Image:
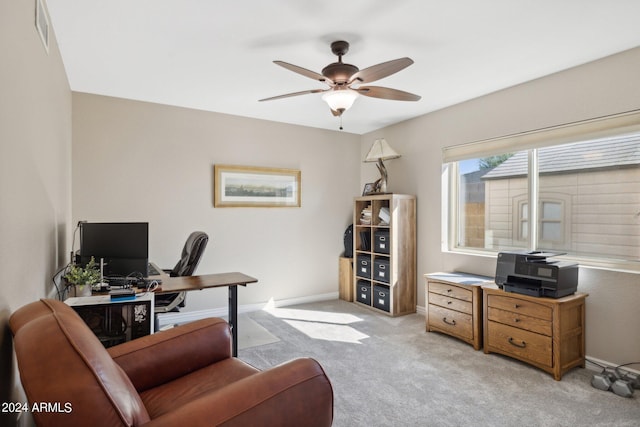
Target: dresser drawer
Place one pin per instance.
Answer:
(451, 303)
(517, 320)
(451, 321)
(451, 291)
(545, 332)
(518, 305)
(519, 343)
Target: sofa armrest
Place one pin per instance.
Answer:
(296, 393)
(164, 356)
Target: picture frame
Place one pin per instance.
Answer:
(369, 188)
(42, 24)
(251, 186)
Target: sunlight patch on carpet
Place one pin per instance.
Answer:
(328, 331)
(321, 325)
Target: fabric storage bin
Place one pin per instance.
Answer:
(381, 270)
(381, 241)
(363, 292)
(363, 266)
(380, 297)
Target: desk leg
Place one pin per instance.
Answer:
(233, 318)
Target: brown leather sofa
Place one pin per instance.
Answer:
(181, 377)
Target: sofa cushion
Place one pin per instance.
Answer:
(175, 394)
(178, 351)
(78, 374)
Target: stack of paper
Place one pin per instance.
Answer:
(365, 216)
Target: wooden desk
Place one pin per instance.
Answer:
(206, 281)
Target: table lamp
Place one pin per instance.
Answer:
(380, 150)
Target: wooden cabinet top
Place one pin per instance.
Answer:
(494, 289)
(460, 278)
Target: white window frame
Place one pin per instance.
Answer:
(609, 126)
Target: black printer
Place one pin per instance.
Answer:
(530, 273)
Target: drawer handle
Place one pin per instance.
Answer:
(452, 323)
(512, 342)
(449, 302)
(449, 290)
(516, 306)
(516, 320)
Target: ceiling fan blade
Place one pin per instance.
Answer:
(307, 73)
(304, 92)
(387, 93)
(379, 71)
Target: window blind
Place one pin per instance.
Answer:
(571, 132)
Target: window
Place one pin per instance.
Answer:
(523, 221)
(485, 212)
(580, 197)
(551, 221)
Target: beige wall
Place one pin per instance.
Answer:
(147, 162)
(600, 88)
(137, 161)
(35, 170)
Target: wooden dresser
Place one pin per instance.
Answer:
(454, 305)
(544, 332)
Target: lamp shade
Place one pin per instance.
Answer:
(381, 150)
(340, 99)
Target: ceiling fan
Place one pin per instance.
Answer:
(344, 80)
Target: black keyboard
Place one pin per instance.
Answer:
(128, 282)
(122, 282)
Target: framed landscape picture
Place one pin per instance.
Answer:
(250, 186)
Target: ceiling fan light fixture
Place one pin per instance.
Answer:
(340, 99)
(340, 76)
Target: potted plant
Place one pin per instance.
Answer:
(83, 278)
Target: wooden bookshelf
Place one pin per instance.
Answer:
(384, 270)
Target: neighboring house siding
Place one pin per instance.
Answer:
(601, 211)
(606, 208)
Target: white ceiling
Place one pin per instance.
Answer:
(217, 55)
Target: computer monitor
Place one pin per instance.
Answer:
(123, 247)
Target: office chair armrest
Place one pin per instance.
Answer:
(296, 393)
(164, 356)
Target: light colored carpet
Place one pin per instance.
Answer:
(252, 334)
(390, 372)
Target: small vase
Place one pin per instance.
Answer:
(81, 291)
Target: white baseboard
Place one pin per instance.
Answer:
(594, 364)
(190, 316)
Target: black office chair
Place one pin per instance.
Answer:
(191, 254)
